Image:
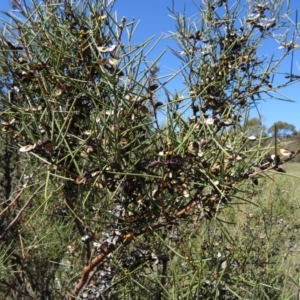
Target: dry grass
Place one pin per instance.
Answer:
(261, 239)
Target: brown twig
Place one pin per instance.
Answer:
(88, 269)
(12, 202)
(126, 239)
(20, 212)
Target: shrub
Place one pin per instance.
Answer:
(109, 200)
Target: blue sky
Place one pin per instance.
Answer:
(154, 20)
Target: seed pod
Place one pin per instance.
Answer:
(158, 104)
(254, 180)
(106, 49)
(153, 87)
(27, 148)
(48, 145)
(251, 138)
(287, 152)
(80, 180)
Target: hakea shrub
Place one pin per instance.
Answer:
(81, 106)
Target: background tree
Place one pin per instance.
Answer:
(255, 127)
(284, 129)
(109, 199)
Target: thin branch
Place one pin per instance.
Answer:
(21, 210)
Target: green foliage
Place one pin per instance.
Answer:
(109, 202)
(284, 129)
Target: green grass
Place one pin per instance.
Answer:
(293, 168)
(284, 193)
(259, 241)
(274, 227)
